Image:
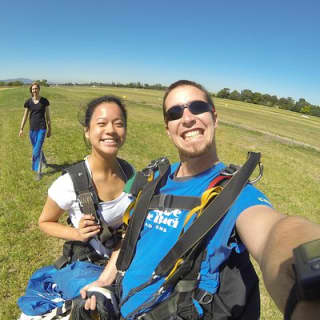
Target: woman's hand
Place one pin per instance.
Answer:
(88, 227)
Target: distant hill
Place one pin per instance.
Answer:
(24, 80)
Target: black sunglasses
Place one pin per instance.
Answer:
(195, 107)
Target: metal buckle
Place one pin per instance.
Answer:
(260, 174)
(153, 165)
(206, 298)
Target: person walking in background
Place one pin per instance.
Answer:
(37, 109)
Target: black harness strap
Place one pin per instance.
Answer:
(83, 187)
(168, 201)
(88, 198)
(138, 217)
(210, 217)
(189, 246)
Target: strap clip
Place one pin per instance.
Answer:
(203, 297)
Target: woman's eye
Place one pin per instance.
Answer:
(119, 124)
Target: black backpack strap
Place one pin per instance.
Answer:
(83, 187)
(129, 174)
(138, 217)
(78, 251)
(88, 198)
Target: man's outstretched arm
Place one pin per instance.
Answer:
(270, 238)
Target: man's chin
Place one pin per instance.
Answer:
(194, 153)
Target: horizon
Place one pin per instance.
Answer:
(269, 48)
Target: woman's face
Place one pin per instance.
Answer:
(106, 132)
(35, 90)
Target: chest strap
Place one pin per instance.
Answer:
(167, 201)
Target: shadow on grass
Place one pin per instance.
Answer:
(54, 168)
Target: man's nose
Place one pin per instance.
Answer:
(187, 115)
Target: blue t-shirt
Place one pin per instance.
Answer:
(162, 229)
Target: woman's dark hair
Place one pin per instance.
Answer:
(92, 105)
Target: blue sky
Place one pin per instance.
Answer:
(266, 46)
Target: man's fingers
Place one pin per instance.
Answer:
(90, 303)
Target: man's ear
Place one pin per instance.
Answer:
(167, 130)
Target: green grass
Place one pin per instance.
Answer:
(291, 177)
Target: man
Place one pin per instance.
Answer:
(37, 109)
(269, 236)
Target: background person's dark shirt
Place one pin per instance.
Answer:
(37, 113)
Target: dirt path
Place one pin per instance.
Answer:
(275, 136)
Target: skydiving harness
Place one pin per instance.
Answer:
(181, 265)
(88, 200)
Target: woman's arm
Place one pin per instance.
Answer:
(48, 223)
(24, 119)
(48, 121)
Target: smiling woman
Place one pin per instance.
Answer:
(104, 123)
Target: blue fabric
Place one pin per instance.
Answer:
(37, 139)
(48, 287)
(162, 228)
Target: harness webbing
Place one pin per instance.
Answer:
(213, 213)
(141, 210)
(181, 258)
(88, 197)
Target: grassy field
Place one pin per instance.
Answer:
(289, 144)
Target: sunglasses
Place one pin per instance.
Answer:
(195, 107)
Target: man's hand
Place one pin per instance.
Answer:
(91, 302)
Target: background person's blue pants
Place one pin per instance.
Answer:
(37, 139)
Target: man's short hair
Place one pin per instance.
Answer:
(181, 83)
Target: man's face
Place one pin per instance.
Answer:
(192, 134)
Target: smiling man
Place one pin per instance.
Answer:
(221, 282)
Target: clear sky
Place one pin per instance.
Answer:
(266, 46)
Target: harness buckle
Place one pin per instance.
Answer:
(165, 201)
(205, 297)
(260, 174)
(153, 165)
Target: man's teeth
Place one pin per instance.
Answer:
(192, 134)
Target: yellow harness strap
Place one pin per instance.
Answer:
(205, 199)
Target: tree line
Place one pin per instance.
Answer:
(18, 83)
(246, 95)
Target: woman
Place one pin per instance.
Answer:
(105, 126)
(40, 126)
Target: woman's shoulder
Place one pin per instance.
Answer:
(62, 184)
(27, 102)
(44, 101)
